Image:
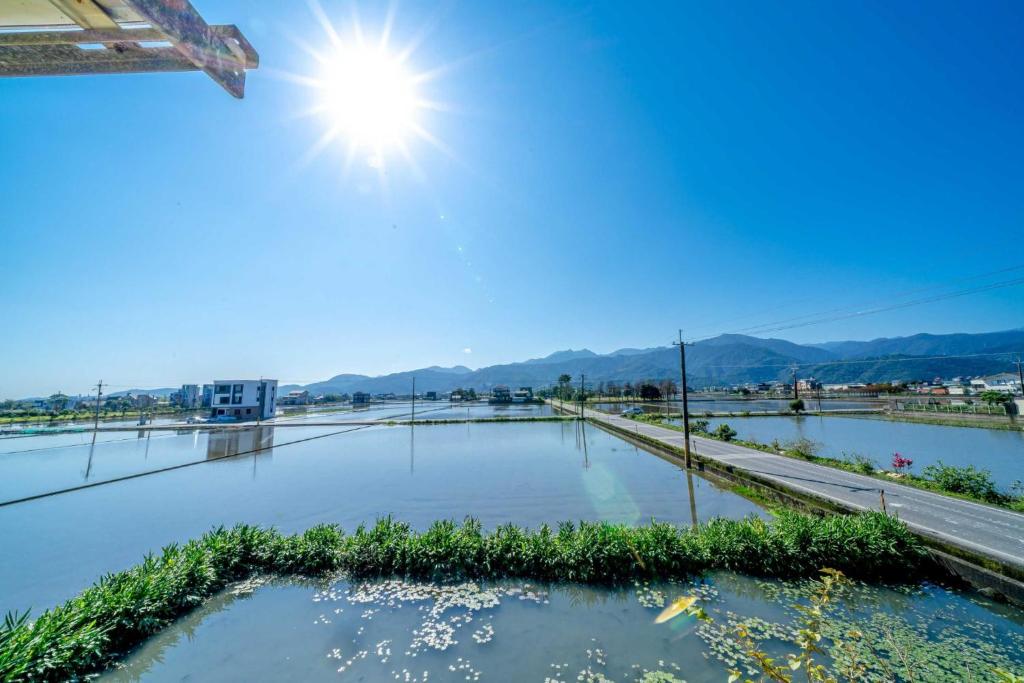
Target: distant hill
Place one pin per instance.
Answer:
(727, 359)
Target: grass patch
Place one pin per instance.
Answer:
(91, 631)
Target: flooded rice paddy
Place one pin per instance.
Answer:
(999, 451)
(526, 473)
(281, 629)
(699, 406)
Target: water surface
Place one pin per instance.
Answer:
(511, 630)
(999, 451)
(526, 473)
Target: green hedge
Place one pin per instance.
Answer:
(89, 632)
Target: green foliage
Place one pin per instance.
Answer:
(699, 425)
(993, 398)
(724, 432)
(85, 634)
(796, 405)
(802, 448)
(968, 481)
(861, 463)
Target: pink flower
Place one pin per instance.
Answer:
(899, 463)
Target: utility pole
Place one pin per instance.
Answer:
(1020, 376)
(99, 393)
(583, 396)
(796, 394)
(686, 406)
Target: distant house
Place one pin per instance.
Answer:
(360, 398)
(500, 394)
(809, 384)
(430, 396)
(295, 398)
(522, 395)
(244, 399)
(456, 397)
(144, 401)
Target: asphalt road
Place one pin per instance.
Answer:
(982, 529)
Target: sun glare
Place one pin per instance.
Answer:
(369, 97)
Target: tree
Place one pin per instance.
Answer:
(992, 397)
(563, 384)
(796, 406)
(649, 391)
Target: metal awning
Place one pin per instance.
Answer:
(65, 37)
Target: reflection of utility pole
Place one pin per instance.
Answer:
(686, 407)
(583, 436)
(95, 427)
(693, 500)
(413, 399)
(412, 450)
(582, 394)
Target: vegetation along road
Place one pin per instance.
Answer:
(981, 530)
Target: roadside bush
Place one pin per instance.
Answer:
(724, 432)
(803, 448)
(861, 463)
(797, 405)
(699, 425)
(969, 481)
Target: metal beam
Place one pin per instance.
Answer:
(224, 60)
(56, 53)
(85, 13)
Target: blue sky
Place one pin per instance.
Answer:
(608, 175)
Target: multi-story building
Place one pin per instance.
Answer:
(244, 399)
(207, 399)
(188, 396)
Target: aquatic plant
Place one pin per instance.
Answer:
(90, 631)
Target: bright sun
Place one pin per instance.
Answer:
(369, 97)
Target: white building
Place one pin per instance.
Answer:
(244, 399)
(1007, 382)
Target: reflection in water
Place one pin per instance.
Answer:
(693, 499)
(240, 442)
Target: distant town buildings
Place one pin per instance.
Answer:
(207, 399)
(244, 399)
(188, 397)
(295, 398)
(360, 398)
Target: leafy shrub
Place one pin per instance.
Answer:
(969, 481)
(724, 432)
(803, 448)
(861, 463)
(796, 405)
(699, 425)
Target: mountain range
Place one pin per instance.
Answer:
(726, 359)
